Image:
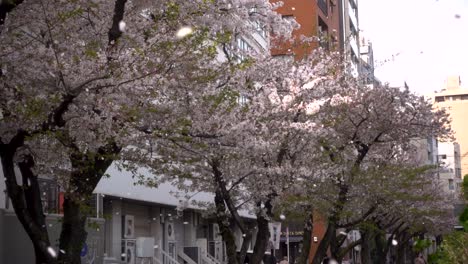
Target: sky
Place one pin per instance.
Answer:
(417, 41)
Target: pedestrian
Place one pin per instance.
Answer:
(284, 260)
(420, 259)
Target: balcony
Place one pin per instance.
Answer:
(323, 5)
(353, 18)
(354, 45)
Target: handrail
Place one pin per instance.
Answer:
(168, 259)
(212, 259)
(206, 260)
(186, 258)
(156, 260)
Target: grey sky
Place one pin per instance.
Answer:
(421, 41)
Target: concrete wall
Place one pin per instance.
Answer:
(16, 247)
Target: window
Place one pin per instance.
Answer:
(443, 156)
(323, 33)
(242, 47)
(49, 195)
(451, 186)
(323, 5)
(261, 29)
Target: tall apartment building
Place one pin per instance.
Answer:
(367, 68)
(335, 22)
(454, 99)
(320, 18)
(350, 33)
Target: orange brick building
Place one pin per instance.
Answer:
(320, 18)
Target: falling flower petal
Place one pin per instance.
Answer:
(52, 252)
(183, 32)
(122, 26)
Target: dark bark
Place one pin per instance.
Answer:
(263, 235)
(382, 247)
(245, 246)
(366, 246)
(343, 251)
(329, 238)
(325, 243)
(73, 235)
(32, 194)
(114, 32)
(228, 202)
(335, 245)
(26, 202)
(226, 233)
(307, 238)
(88, 169)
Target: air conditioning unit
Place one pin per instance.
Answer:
(215, 233)
(128, 226)
(128, 252)
(145, 247)
(202, 243)
(170, 231)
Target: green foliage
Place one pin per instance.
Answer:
(465, 187)
(453, 249)
(421, 244)
(91, 50)
(463, 218)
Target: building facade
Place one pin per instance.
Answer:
(367, 63)
(319, 20)
(450, 175)
(454, 99)
(167, 221)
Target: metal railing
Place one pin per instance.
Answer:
(210, 259)
(186, 258)
(323, 5)
(168, 259)
(157, 260)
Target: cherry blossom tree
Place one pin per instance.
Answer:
(369, 130)
(247, 140)
(85, 83)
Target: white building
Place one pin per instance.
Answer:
(450, 168)
(146, 224)
(350, 30)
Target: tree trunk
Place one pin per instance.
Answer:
(307, 238)
(30, 215)
(73, 235)
(261, 242)
(366, 246)
(245, 246)
(226, 233)
(321, 253)
(400, 254)
(32, 196)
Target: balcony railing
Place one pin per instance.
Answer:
(353, 18)
(323, 5)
